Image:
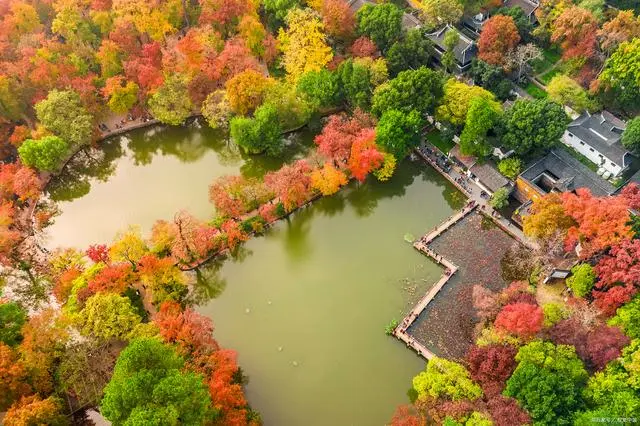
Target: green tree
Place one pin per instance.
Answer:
(566, 91)
(532, 126)
(123, 98)
(548, 382)
(382, 23)
(262, 133)
(412, 90)
(355, 80)
(108, 316)
(11, 104)
(631, 135)
(62, 112)
(628, 318)
(500, 198)
(279, 9)
(398, 132)
(43, 154)
(483, 115)
(621, 74)
(448, 60)
(171, 103)
(440, 12)
(582, 279)
(149, 386)
(12, 318)
(411, 52)
(553, 313)
(510, 167)
(293, 109)
(320, 88)
(615, 390)
(491, 77)
(446, 379)
(457, 100)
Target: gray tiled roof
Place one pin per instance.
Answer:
(569, 172)
(464, 50)
(527, 6)
(602, 132)
(489, 176)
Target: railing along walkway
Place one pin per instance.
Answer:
(450, 269)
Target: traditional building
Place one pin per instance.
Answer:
(464, 51)
(597, 137)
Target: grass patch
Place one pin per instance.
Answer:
(548, 76)
(435, 138)
(581, 158)
(534, 91)
(550, 56)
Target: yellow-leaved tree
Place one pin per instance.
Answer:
(303, 43)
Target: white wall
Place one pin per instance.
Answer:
(574, 142)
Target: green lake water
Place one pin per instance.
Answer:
(306, 304)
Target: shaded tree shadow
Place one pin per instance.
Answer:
(208, 283)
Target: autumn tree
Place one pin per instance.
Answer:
(604, 344)
(623, 27)
(521, 319)
(363, 46)
(233, 196)
(216, 109)
(397, 132)
(456, 101)
(506, 412)
(339, 133)
(170, 103)
(445, 379)
(121, 95)
(547, 217)
(382, 23)
(328, 180)
(149, 386)
(33, 410)
(146, 69)
(440, 12)
(601, 222)
(13, 377)
(245, 91)
(499, 37)
(418, 90)
(303, 44)
(491, 366)
(576, 29)
(412, 51)
(190, 332)
(406, 415)
(162, 278)
(107, 316)
(44, 154)
(338, 19)
(291, 183)
(365, 156)
(62, 112)
(532, 126)
(566, 91)
(222, 13)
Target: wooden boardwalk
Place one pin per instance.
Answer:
(450, 269)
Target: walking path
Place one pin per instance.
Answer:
(458, 178)
(450, 269)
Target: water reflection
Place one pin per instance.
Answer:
(141, 146)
